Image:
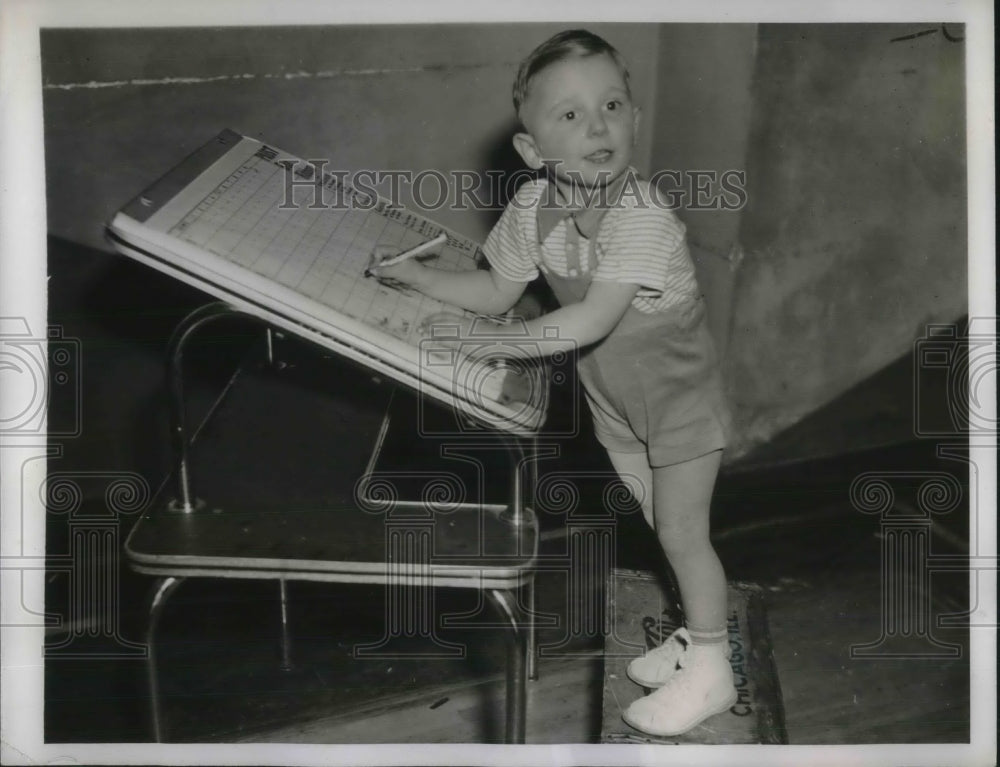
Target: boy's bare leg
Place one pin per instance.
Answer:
(682, 497)
(701, 684)
(676, 501)
(634, 470)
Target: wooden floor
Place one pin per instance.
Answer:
(564, 703)
(828, 697)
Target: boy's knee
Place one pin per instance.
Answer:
(647, 514)
(678, 543)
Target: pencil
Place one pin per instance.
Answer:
(441, 239)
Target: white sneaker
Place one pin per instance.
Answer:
(700, 688)
(659, 664)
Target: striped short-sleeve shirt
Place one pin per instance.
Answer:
(639, 240)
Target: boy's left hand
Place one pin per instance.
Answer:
(476, 336)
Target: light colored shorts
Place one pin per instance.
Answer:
(653, 386)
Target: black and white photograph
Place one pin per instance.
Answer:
(330, 426)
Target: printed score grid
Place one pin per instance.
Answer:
(230, 221)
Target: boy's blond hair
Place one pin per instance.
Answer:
(572, 42)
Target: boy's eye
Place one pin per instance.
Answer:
(614, 104)
(571, 115)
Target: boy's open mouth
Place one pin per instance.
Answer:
(601, 155)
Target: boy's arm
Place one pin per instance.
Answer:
(579, 324)
(480, 290)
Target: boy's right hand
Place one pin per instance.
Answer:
(406, 272)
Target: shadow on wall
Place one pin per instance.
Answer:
(855, 228)
(921, 397)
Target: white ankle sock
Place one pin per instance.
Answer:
(707, 650)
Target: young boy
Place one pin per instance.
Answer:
(617, 261)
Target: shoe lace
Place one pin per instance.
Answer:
(671, 650)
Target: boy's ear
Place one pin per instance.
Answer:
(636, 115)
(525, 145)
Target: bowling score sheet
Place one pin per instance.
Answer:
(222, 221)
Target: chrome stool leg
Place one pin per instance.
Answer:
(517, 692)
(286, 634)
(162, 590)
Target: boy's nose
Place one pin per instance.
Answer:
(597, 126)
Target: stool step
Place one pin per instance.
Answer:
(644, 612)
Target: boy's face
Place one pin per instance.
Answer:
(579, 115)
